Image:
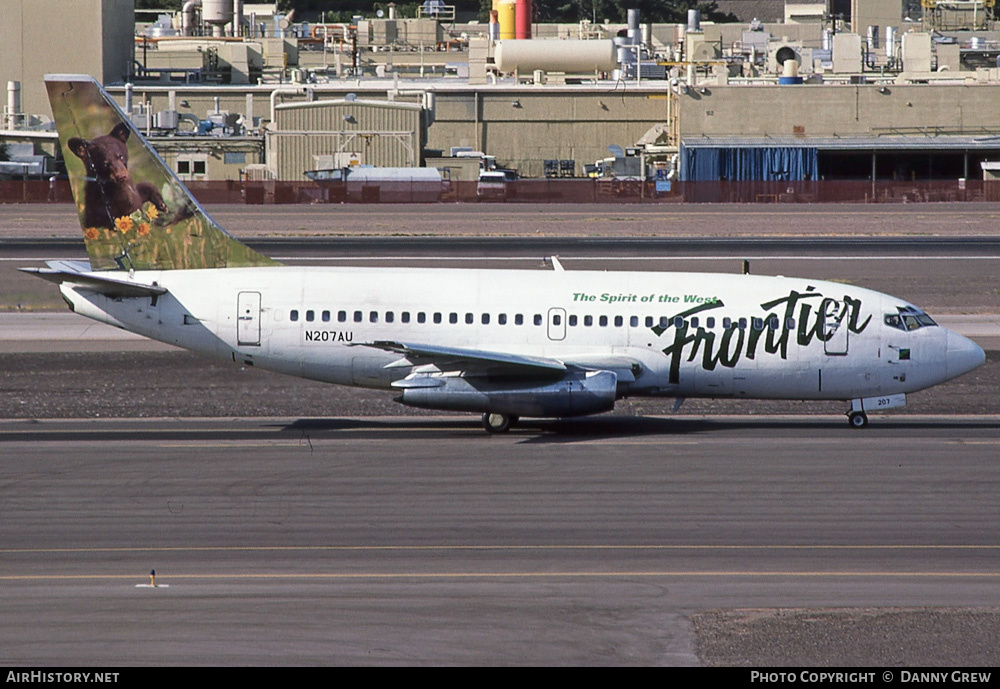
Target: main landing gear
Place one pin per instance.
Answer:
(498, 423)
(857, 419)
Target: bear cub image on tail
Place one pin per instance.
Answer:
(110, 192)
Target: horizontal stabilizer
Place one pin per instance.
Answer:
(109, 287)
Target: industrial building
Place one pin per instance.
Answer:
(231, 91)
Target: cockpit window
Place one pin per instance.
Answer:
(908, 318)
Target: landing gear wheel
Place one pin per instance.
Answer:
(857, 419)
(498, 423)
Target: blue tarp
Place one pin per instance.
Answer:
(789, 164)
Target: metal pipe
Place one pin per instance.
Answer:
(187, 17)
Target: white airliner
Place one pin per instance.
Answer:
(503, 343)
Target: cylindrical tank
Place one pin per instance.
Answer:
(494, 25)
(556, 56)
(633, 20)
(522, 19)
(237, 17)
(217, 13)
(890, 41)
(506, 15)
(626, 54)
(694, 20)
(790, 72)
(13, 103)
(827, 39)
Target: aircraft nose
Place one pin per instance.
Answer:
(963, 355)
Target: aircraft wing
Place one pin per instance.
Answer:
(484, 362)
(469, 360)
(75, 273)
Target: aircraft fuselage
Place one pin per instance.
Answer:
(684, 334)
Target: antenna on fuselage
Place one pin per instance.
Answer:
(746, 267)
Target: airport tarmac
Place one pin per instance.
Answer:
(284, 531)
(611, 541)
(541, 219)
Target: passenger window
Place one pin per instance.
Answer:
(649, 321)
(743, 324)
(519, 319)
(486, 319)
(588, 321)
(773, 323)
(727, 322)
(678, 322)
(405, 316)
(310, 316)
(694, 322)
(326, 316)
(572, 321)
(502, 319)
(665, 322)
(469, 318)
(373, 317)
(389, 317)
(556, 319)
(619, 321)
(758, 323)
(710, 322)
(538, 319)
(453, 318)
(293, 315)
(358, 317)
(634, 321)
(341, 316)
(790, 323)
(437, 317)
(421, 317)
(603, 321)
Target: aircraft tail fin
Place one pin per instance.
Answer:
(135, 214)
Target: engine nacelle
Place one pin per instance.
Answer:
(577, 394)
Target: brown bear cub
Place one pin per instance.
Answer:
(110, 192)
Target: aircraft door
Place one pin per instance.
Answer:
(248, 319)
(557, 324)
(835, 329)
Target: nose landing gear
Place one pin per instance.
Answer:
(857, 419)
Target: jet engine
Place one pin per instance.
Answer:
(576, 394)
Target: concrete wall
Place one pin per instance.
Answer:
(880, 13)
(838, 110)
(223, 159)
(544, 123)
(564, 123)
(39, 37)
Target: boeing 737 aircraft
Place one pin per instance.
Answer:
(503, 343)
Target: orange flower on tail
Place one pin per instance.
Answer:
(91, 233)
(123, 224)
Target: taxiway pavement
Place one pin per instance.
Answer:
(279, 541)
